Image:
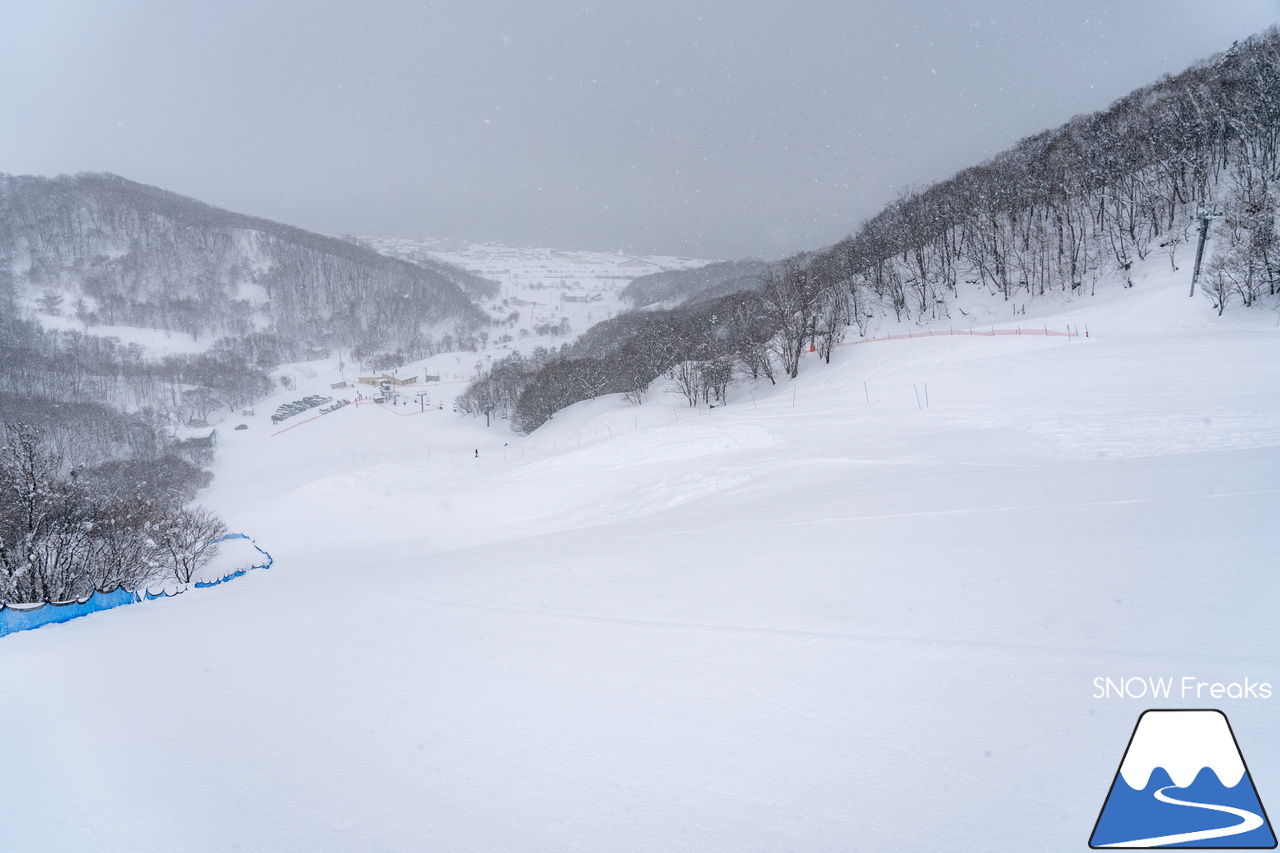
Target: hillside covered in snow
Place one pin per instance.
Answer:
(864, 609)
(108, 251)
(1055, 217)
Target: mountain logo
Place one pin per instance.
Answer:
(1183, 783)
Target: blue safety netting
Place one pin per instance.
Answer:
(24, 617)
(20, 617)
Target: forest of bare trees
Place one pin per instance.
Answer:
(67, 531)
(1067, 208)
(93, 496)
(107, 251)
(706, 282)
(1052, 217)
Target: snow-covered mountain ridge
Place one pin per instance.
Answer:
(109, 251)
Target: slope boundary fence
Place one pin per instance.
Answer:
(25, 617)
(1043, 331)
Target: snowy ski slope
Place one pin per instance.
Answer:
(823, 617)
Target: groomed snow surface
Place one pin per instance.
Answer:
(823, 617)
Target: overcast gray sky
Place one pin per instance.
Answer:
(711, 128)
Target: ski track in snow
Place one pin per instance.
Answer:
(840, 636)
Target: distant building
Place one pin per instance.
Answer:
(205, 440)
(387, 378)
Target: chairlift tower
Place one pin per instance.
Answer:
(1205, 211)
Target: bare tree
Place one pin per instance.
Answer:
(51, 302)
(31, 501)
(198, 403)
(185, 541)
(792, 291)
(686, 380)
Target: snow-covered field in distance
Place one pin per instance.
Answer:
(545, 286)
(822, 617)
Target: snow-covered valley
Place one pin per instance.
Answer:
(823, 617)
(545, 295)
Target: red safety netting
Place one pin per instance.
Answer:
(986, 333)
